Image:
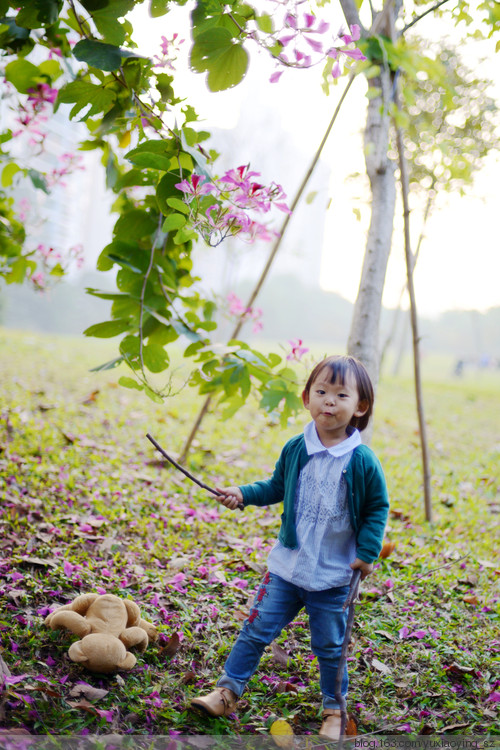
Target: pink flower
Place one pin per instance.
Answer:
(354, 36)
(404, 632)
(405, 727)
(196, 187)
(68, 568)
(418, 634)
(336, 71)
(494, 697)
(354, 54)
(298, 350)
(240, 583)
(43, 93)
(276, 76)
(236, 306)
(317, 46)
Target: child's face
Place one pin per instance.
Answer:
(332, 406)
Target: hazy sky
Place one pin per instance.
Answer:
(459, 264)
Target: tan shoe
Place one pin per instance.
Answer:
(220, 702)
(330, 727)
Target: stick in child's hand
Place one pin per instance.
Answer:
(185, 471)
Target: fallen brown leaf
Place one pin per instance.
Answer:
(453, 727)
(387, 549)
(172, 646)
(286, 687)
(279, 654)
(351, 728)
(380, 666)
(87, 691)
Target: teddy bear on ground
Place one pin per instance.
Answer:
(108, 626)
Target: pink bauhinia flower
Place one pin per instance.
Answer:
(298, 350)
(196, 186)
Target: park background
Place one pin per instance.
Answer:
(86, 505)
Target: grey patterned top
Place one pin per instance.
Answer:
(326, 540)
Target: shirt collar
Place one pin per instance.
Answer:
(314, 444)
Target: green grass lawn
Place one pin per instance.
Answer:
(87, 507)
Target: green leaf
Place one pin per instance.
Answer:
(106, 20)
(149, 160)
(158, 8)
(17, 271)
(38, 180)
(225, 60)
(130, 383)
(111, 365)
(84, 93)
(117, 247)
(135, 224)
(174, 221)
(155, 358)
(108, 329)
(178, 205)
(51, 69)
(166, 189)
(100, 55)
(231, 406)
(124, 263)
(153, 395)
(185, 235)
(39, 13)
(23, 75)
(265, 23)
(8, 173)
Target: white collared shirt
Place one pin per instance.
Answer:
(326, 539)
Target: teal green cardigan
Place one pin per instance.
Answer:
(366, 495)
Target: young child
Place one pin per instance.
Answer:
(335, 509)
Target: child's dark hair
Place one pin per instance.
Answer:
(339, 367)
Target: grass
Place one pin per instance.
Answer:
(87, 507)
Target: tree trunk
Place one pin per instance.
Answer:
(363, 341)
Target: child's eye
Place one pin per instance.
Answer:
(320, 392)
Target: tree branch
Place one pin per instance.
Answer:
(429, 10)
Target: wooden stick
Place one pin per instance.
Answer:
(350, 603)
(185, 471)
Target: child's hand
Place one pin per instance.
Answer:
(364, 567)
(231, 497)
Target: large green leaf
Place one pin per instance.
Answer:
(39, 13)
(83, 93)
(107, 329)
(100, 55)
(149, 159)
(135, 224)
(155, 357)
(106, 20)
(225, 60)
(23, 75)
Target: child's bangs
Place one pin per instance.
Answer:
(339, 370)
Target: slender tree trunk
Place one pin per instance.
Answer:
(397, 312)
(410, 264)
(363, 341)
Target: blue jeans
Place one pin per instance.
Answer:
(276, 604)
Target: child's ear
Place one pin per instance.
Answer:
(305, 399)
(363, 407)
